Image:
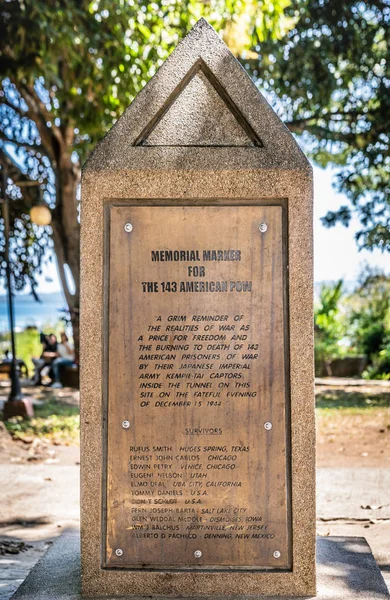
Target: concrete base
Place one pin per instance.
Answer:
(346, 570)
(18, 408)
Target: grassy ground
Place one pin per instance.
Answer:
(351, 401)
(56, 421)
(353, 423)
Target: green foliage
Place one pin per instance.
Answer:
(28, 346)
(370, 321)
(329, 78)
(27, 343)
(357, 324)
(329, 326)
(380, 368)
(67, 73)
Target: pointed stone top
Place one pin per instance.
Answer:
(200, 111)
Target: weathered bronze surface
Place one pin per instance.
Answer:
(197, 390)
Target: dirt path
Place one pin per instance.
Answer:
(353, 424)
(41, 496)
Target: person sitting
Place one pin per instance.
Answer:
(49, 353)
(66, 358)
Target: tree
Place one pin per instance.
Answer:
(329, 78)
(369, 317)
(329, 327)
(68, 71)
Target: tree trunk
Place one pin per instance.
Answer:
(66, 237)
(328, 367)
(57, 144)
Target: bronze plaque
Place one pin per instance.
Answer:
(197, 393)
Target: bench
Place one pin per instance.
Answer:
(70, 376)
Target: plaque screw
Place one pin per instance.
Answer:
(267, 425)
(125, 424)
(119, 552)
(276, 554)
(198, 554)
(263, 227)
(128, 227)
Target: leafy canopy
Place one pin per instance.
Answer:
(329, 325)
(90, 59)
(369, 308)
(329, 78)
(68, 70)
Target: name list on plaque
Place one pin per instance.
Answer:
(197, 403)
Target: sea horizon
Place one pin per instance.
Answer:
(30, 313)
(47, 312)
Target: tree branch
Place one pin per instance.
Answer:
(297, 125)
(14, 171)
(61, 261)
(47, 115)
(32, 147)
(18, 110)
(315, 129)
(33, 112)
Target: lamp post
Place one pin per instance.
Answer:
(16, 405)
(40, 214)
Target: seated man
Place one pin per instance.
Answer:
(66, 358)
(49, 353)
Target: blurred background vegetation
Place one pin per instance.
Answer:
(352, 329)
(68, 70)
(27, 342)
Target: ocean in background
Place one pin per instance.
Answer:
(28, 312)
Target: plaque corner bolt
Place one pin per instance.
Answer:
(128, 227)
(198, 554)
(119, 552)
(263, 227)
(276, 554)
(125, 424)
(268, 425)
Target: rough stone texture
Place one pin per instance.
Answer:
(120, 170)
(118, 151)
(345, 566)
(198, 117)
(57, 574)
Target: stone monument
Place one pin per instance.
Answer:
(197, 391)
(197, 395)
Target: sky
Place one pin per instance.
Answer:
(336, 255)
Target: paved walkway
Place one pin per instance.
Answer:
(41, 501)
(38, 503)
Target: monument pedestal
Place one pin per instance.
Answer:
(346, 569)
(197, 410)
